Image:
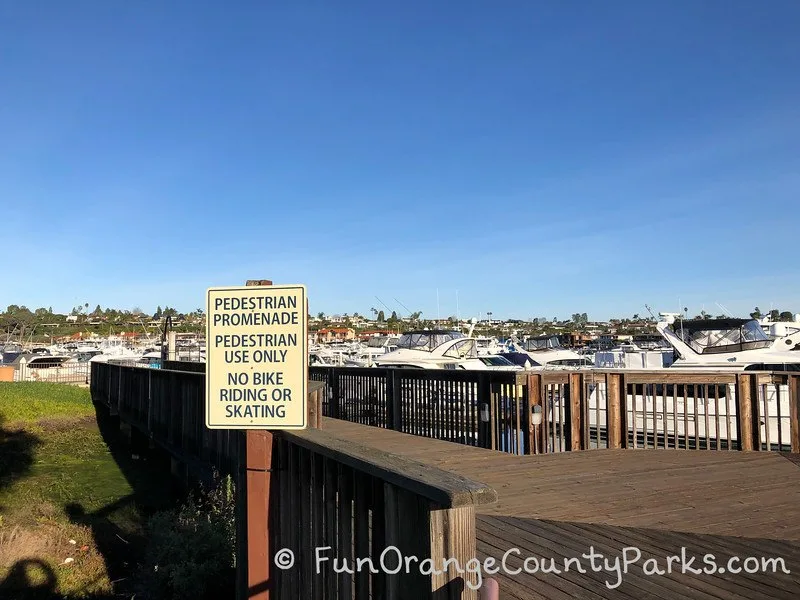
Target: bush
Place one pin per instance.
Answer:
(190, 551)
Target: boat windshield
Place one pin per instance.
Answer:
(496, 361)
(378, 341)
(543, 343)
(747, 336)
(427, 340)
(464, 349)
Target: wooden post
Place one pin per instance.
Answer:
(394, 416)
(452, 536)
(615, 404)
(746, 385)
(484, 404)
(534, 399)
(254, 493)
(794, 411)
(575, 412)
(334, 404)
(316, 392)
(254, 488)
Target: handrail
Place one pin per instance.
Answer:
(446, 489)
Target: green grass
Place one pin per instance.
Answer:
(30, 401)
(60, 481)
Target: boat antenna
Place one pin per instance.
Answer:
(682, 313)
(404, 306)
(383, 303)
(651, 312)
(724, 310)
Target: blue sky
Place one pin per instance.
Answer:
(535, 158)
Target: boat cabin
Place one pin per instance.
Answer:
(717, 336)
(543, 342)
(427, 340)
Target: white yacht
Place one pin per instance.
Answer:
(487, 346)
(544, 352)
(778, 329)
(730, 344)
(441, 350)
(633, 356)
(365, 354)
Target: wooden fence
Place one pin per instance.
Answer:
(356, 502)
(578, 409)
(307, 490)
(556, 411)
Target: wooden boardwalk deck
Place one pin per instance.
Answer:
(728, 504)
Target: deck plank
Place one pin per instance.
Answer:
(558, 505)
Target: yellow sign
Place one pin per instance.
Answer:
(256, 357)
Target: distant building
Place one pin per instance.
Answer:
(576, 339)
(335, 334)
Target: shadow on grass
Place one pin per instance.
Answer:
(33, 579)
(117, 529)
(16, 454)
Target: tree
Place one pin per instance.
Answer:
(381, 316)
(774, 314)
(158, 313)
(321, 316)
(584, 318)
(756, 314)
(786, 316)
(97, 310)
(394, 316)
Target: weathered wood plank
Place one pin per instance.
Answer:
(447, 489)
(452, 535)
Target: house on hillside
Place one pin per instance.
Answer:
(335, 334)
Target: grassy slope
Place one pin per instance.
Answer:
(58, 482)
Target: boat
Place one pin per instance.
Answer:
(728, 344)
(679, 411)
(543, 352)
(60, 368)
(634, 356)
(441, 349)
(364, 355)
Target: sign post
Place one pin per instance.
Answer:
(256, 379)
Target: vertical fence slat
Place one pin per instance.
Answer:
(794, 412)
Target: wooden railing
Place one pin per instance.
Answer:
(353, 503)
(580, 409)
(168, 408)
(477, 408)
(680, 409)
(326, 493)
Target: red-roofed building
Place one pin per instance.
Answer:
(335, 334)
